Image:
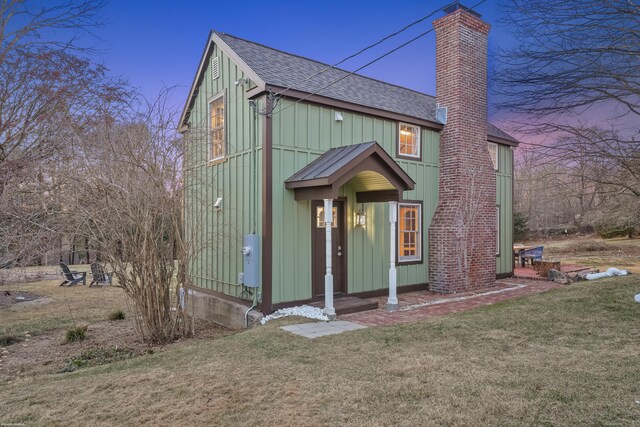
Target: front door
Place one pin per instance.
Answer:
(318, 245)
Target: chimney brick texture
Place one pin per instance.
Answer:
(462, 234)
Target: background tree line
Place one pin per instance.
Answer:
(571, 84)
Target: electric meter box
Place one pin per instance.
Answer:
(251, 260)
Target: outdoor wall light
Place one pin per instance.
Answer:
(361, 218)
(218, 204)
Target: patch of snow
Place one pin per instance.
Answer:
(609, 273)
(302, 310)
(443, 300)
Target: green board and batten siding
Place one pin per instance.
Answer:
(217, 234)
(301, 133)
(504, 199)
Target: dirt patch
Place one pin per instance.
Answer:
(106, 342)
(8, 297)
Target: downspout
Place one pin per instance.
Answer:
(254, 154)
(253, 193)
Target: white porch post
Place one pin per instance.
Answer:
(392, 302)
(329, 311)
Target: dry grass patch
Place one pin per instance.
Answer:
(621, 253)
(33, 334)
(565, 357)
(59, 307)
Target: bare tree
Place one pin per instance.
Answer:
(44, 96)
(46, 88)
(58, 25)
(81, 160)
(571, 56)
(574, 77)
(125, 190)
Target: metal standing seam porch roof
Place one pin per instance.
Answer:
(379, 176)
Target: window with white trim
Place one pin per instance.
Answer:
(493, 152)
(409, 232)
(409, 141)
(216, 128)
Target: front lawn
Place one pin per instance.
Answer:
(568, 356)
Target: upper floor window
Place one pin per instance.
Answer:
(409, 141)
(493, 152)
(409, 232)
(216, 128)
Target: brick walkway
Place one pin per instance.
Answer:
(420, 305)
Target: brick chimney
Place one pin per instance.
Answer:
(462, 234)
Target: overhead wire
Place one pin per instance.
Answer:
(361, 51)
(278, 96)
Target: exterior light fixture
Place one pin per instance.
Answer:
(361, 218)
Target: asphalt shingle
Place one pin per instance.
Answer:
(283, 69)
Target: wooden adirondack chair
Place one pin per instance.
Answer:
(530, 255)
(100, 276)
(72, 277)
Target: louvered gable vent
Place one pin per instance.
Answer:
(215, 68)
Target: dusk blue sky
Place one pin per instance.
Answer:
(159, 43)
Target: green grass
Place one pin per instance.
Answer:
(116, 315)
(8, 339)
(77, 333)
(565, 357)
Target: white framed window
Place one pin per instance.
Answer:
(409, 141)
(409, 232)
(216, 128)
(493, 152)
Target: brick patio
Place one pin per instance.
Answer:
(415, 306)
(530, 273)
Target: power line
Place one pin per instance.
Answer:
(279, 95)
(371, 46)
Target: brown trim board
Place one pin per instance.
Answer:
(504, 275)
(345, 105)
(378, 196)
(513, 209)
(267, 211)
(498, 140)
(356, 108)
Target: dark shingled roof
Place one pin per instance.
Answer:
(283, 69)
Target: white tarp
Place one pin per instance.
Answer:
(609, 273)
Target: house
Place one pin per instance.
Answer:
(306, 182)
